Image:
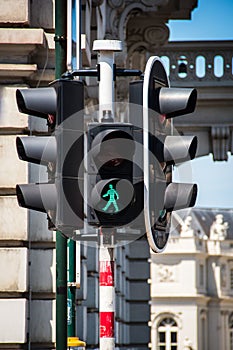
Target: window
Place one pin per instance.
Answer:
(201, 275)
(203, 330)
(231, 278)
(223, 275)
(203, 333)
(167, 334)
(230, 324)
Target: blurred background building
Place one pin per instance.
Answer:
(191, 288)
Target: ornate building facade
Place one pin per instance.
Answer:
(191, 290)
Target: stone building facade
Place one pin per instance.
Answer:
(192, 287)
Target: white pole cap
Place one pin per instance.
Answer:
(107, 45)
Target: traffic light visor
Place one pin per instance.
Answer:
(173, 102)
(40, 197)
(39, 102)
(180, 196)
(36, 149)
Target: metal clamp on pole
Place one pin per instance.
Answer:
(59, 38)
(95, 72)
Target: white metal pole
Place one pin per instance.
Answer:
(106, 96)
(78, 34)
(106, 49)
(69, 35)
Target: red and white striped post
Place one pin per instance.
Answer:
(106, 296)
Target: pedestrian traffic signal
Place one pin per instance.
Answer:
(62, 152)
(113, 195)
(162, 148)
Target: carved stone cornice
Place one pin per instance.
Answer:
(144, 37)
(144, 20)
(119, 11)
(221, 141)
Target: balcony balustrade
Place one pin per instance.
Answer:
(208, 63)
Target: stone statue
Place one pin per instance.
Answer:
(166, 274)
(186, 229)
(218, 230)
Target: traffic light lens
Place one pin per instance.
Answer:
(110, 155)
(112, 196)
(112, 148)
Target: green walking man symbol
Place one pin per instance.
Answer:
(111, 193)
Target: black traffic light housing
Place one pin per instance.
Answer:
(113, 192)
(61, 104)
(156, 103)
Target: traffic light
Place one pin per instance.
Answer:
(162, 148)
(113, 194)
(61, 150)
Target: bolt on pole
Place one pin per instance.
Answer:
(106, 50)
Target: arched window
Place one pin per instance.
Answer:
(167, 334)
